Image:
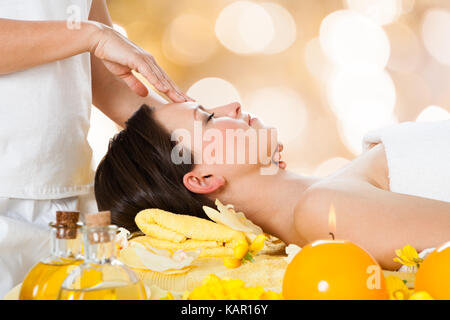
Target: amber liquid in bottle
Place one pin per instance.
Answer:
(44, 280)
(106, 291)
(101, 276)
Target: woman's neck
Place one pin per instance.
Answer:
(269, 200)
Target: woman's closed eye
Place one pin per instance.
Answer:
(210, 117)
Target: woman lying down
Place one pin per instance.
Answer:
(395, 193)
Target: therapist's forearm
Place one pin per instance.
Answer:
(25, 44)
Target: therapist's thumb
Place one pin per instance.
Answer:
(135, 84)
(126, 74)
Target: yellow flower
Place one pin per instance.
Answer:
(397, 288)
(169, 296)
(185, 295)
(214, 288)
(241, 249)
(270, 295)
(243, 252)
(258, 243)
(240, 253)
(408, 256)
(421, 295)
(232, 262)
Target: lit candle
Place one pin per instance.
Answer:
(333, 269)
(332, 221)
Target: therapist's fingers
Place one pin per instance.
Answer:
(173, 92)
(144, 68)
(178, 91)
(154, 74)
(151, 62)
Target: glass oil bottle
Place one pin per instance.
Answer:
(101, 276)
(44, 280)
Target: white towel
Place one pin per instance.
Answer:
(418, 157)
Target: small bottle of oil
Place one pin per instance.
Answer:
(44, 280)
(101, 276)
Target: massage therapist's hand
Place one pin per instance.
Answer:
(120, 56)
(25, 44)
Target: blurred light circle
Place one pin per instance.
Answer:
(330, 166)
(435, 34)
(102, 129)
(407, 6)
(408, 105)
(433, 113)
(189, 39)
(316, 61)
(353, 129)
(350, 38)
(358, 92)
(280, 107)
(120, 30)
(213, 92)
(380, 11)
(244, 27)
(405, 48)
(285, 29)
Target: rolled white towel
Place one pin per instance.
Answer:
(418, 157)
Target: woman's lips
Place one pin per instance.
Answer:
(277, 156)
(251, 120)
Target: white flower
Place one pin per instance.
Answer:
(122, 238)
(291, 251)
(235, 220)
(140, 256)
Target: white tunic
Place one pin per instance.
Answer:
(45, 159)
(44, 115)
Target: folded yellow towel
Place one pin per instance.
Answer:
(170, 231)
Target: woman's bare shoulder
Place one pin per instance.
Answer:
(311, 211)
(341, 190)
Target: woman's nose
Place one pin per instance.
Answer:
(234, 110)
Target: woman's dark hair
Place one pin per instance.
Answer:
(138, 173)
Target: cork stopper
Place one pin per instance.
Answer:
(99, 219)
(66, 224)
(67, 217)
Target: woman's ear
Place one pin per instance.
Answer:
(202, 184)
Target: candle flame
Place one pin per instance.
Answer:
(332, 220)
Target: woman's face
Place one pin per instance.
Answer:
(224, 140)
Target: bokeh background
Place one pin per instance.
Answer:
(323, 71)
